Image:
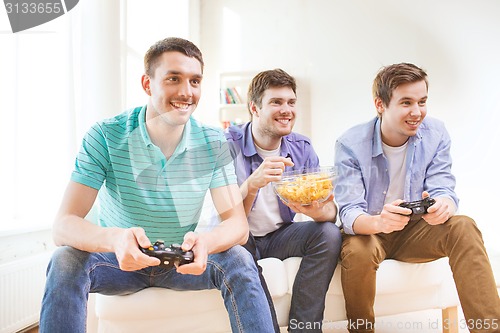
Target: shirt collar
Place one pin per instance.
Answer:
(248, 144)
(183, 144)
(377, 140)
(142, 127)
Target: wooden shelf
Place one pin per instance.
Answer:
(233, 97)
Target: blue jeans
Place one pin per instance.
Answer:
(318, 243)
(73, 274)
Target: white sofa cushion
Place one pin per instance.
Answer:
(401, 287)
(275, 273)
(162, 310)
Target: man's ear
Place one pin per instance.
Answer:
(145, 81)
(254, 110)
(379, 105)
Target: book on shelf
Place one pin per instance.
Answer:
(230, 96)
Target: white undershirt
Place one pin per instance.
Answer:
(265, 215)
(396, 160)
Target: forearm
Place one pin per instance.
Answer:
(81, 234)
(70, 228)
(366, 224)
(230, 232)
(328, 213)
(233, 229)
(248, 194)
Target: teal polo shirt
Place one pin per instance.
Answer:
(138, 186)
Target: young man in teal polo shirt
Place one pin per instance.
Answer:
(150, 168)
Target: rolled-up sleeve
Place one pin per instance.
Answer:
(349, 190)
(439, 181)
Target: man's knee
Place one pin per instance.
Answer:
(461, 223)
(462, 228)
(234, 265)
(361, 251)
(236, 255)
(67, 258)
(330, 235)
(66, 265)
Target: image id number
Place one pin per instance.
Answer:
(474, 324)
(33, 8)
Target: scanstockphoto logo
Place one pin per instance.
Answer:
(26, 14)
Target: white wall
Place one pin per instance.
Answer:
(337, 46)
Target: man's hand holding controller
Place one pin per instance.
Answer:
(433, 210)
(189, 258)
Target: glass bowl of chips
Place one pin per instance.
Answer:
(307, 185)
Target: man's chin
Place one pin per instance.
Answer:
(284, 132)
(178, 117)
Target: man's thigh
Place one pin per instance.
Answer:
(235, 262)
(292, 239)
(419, 242)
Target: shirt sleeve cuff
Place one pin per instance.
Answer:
(348, 222)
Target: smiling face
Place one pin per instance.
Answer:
(174, 89)
(404, 114)
(275, 118)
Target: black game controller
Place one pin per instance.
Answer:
(418, 208)
(169, 256)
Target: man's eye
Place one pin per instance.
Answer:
(195, 82)
(173, 79)
(422, 103)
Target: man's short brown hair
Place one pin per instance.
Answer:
(274, 78)
(391, 77)
(170, 44)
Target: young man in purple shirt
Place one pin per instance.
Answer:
(402, 155)
(262, 150)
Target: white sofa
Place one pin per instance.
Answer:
(401, 288)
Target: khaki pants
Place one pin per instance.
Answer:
(458, 238)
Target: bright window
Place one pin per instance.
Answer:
(40, 99)
(35, 131)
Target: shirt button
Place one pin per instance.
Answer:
(385, 192)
